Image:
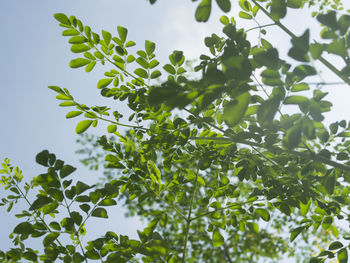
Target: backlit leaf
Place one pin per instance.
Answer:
(83, 126)
(278, 9)
(79, 48)
(342, 255)
(106, 37)
(263, 213)
(51, 237)
(217, 239)
(235, 110)
(123, 32)
(141, 73)
(100, 212)
(203, 11)
(79, 62)
(102, 83)
(40, 202)
(62, 18)
(149, 47)
(66, 170)
(296, 232)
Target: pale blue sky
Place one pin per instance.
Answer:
(33, 55)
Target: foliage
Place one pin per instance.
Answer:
(219, 166)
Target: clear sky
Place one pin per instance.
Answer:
(33, 55)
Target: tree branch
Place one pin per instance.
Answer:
(293, 36)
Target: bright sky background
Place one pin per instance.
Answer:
(34, 55)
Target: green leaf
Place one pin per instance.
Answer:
(300, 47)
(79, 48)
(141, 73)
(50, 238)
(337, 47)
(170, 69)
(55, 226)
(83, 126)
(244, 15)
(31, 256)
(57, 89)
(78, 62)
(42, 158)
(122, 32)
(203, 11)
(112, 128)
(67, 104)
(217, 238)
(263, 213)
(253, 227)
(224, 20)
(268, 58)
(108, 202)
(267, 111)
(70, 32)
(295, 3)
(100, 212)
(335, 245)
(149, 47)
(142, 62)
(296, 232)
(304, 208)
(62, 18)
(130, 44)
(344, 24)
(235, 110)
(329, 183)
(49, 208)
(66, 170)
(293, 137)
(155, 74)
(23, 228)
(77, 218)
(278, 9)
(329, 19)
(130, 59)
(304, 71)
(81, 187)
(40, 202)
(106, 37)
(342, 255)
(77, 40)
(102, 83)
(85, 207)
(90, 66)
(296, 100)
(316, 50)
(300, 87)
(153, 63)
(225, 5)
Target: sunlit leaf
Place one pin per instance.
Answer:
(217, 239)
(235, 110)
(203, 11)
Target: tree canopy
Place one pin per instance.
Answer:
(227, 161)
